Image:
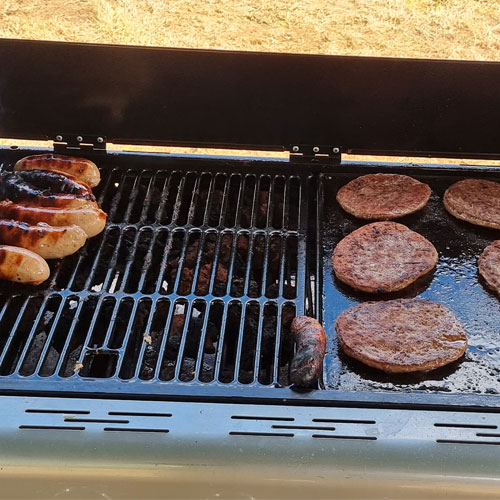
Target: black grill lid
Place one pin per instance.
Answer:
(249, 100)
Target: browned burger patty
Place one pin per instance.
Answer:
(383, 257)
(489, 266)
(383, 196)
(474, 200)
(403, 335)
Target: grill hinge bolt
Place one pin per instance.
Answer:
(75, 143)
(305, 153)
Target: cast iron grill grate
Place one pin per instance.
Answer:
(195, 279)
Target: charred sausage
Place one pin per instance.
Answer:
(45, 190)
(310, 343)
(80, 168)
(22, 266)
(92, 220)
(47, 241)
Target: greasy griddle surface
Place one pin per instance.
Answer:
(455, 283)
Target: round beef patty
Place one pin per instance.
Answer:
(489, 266)
(474, 200)
(383, 196)
(383, 257)
(403, 335)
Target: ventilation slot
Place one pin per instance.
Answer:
(342, 421)
(251, 417)
(261, 434)
(52, 427)
(333, 436)
(463, 441)
(466, 426)
(64, 412)
(132, 429)
(137, 414)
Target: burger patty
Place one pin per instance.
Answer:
(383, 257)
(474, 200)
(403, 335)
(489, 265)
(383, 196)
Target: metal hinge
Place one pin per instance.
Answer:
(305, 153)
(73, 143)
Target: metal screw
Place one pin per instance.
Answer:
(59, 138)
(100, 140)
(295, 149)
(79, 138)
(315, 149)
(336, 150)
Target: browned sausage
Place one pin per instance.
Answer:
(92, 220)
(310, 346)
(80, 168)
(22, 266)
(47, 241)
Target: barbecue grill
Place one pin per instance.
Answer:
(155, 361)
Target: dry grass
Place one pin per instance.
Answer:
(454, 29)
(410, 28)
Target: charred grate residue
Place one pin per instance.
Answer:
(195, 279)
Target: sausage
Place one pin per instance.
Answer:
(81, 169)
(56, 183)
(44, 189)
(22, 266)
(47, 241)
(92, 220)
(310, 342)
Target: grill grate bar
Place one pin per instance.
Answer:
(194, 199)
(165, 333)
(63, 357)
(199, 357)
(178, 365)
(237, 363)
(133, 195)
(163, 198)
(12, 332)
(31, 334)
(147, 331)
(147, 200)
(220, 344)
(50, 336)
(258, 344)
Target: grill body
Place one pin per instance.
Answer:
(154, 362)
